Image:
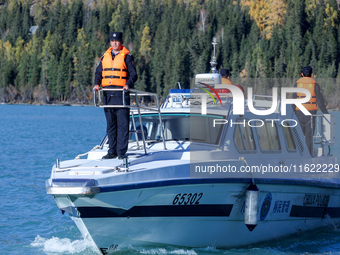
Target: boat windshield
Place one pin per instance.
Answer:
(185, 127)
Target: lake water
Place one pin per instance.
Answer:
(32, 137)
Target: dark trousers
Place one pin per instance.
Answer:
(117, 120)
(117, 129)
(307, 128)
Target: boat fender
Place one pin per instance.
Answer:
(251, 207)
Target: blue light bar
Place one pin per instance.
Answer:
(181, 91)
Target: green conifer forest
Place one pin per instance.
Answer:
(49, 49)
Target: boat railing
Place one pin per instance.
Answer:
(262, 97)
(324, 132)
(137, 107)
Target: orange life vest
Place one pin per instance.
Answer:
(227, 81)
(115, 71)
(309, 84)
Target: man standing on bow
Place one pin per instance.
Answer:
(116, 70)
(307, 82)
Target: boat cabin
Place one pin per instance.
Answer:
(180, 118)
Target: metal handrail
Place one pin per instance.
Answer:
(320, 129)
(137, 93)
(318, 122)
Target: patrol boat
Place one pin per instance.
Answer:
(202, 176)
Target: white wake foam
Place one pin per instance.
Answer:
(63, 246)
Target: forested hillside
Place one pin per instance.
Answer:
(170, 40)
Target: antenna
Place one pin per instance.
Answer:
(213, 62)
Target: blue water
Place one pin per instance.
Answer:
(32, 137)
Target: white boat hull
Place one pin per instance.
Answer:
(153, 216)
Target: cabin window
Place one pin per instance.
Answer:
(268, 136)
(244, 138)
(185, 127)
(289, 139)
(202, 128)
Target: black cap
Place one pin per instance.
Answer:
(307, 71)
(224, 72)
(118, 36)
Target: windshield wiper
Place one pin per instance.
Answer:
(179, 139)
(149, 142)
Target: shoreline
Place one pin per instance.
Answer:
(91, 105)
(44, 104)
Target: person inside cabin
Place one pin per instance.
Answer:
(307, 122)
(116, 70)
(225, 74)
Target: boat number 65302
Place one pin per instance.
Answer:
(185, 199)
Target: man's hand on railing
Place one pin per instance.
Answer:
(126, 88)
(96, 87)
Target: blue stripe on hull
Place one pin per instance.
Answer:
(158, 211)
(314, 212)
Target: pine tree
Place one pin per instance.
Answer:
(46, 57)
(33, 66)
(318, 31)
(61, 17)
(21, 79)
(104, 17)
(2, 66)
(235, 66)
(308, 53)
(157, 72)
(41, 13)
(52, 77)
(82, 61)
(169, 80)
(332, 46)
(154, 16)
(63, 79)
(15, 23)
(26, 21)
(141, 83)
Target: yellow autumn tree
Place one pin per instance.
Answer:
(312, 11)
(266, 13)
(331, 15)
(193, 3)
(114, 24)
(145, 45)
(9, 50)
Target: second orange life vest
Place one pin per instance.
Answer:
(309, 84)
